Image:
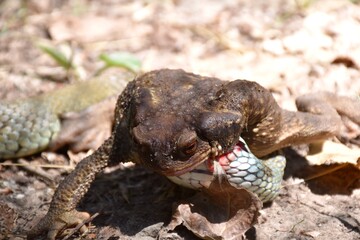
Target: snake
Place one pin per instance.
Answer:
(242, 169)
(28, 126)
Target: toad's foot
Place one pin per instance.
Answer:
(62, 213)
(54, 224)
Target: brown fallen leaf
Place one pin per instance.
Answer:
(7, 219)
(87, 28)
(331, 168)
(90, 28)
(219, 212)
(329, 152)
(346, 61)
(87, 129)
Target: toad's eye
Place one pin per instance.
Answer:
(190, 148)
(187, 143)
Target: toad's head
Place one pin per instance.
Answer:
(171, 123)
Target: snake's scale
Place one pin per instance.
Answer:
(28, 125)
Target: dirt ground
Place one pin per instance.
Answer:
(291, 47)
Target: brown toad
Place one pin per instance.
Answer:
(172, 121)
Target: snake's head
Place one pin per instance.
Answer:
(172, 122)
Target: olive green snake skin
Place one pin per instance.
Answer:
(27, 126)
(242, 169)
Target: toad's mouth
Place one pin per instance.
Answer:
(214, 152)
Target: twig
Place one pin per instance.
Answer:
(80, 225)
(326, 172)
(38, 171)
(318, 175)
(293, 226)
(38, 165)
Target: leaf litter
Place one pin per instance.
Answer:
(218, 212)
(289, 47)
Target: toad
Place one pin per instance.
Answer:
(173, 122)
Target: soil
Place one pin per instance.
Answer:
(291, 47)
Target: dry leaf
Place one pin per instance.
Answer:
(87, 129)
(332, 168)
(329, 152)
(346, 61)
(91, 28)
(83, 29)
(313, 234)
(7, 219)
(220, 212)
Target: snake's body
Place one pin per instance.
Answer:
(26, 127)
(29, 125)
(242, 169)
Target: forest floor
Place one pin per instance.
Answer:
(290, 47)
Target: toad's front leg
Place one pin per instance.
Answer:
(62, 213)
